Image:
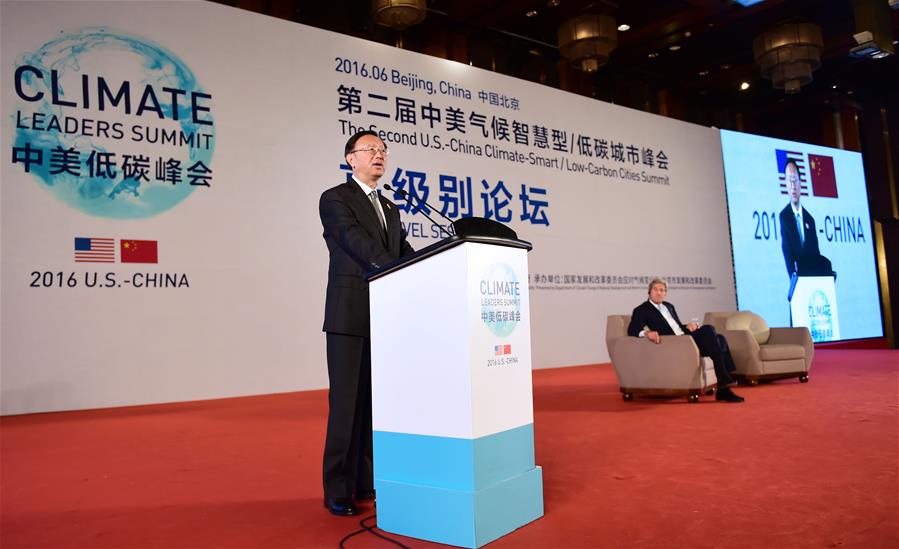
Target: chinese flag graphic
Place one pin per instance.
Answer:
(138, 251)
(824, 182)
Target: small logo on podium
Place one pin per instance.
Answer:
(500, 299)
(820, 319)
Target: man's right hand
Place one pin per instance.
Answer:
(653, 336)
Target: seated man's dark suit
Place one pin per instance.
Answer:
(709, 342)
(801, 255)
(356, 244)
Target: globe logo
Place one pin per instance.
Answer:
(65, 78)
(820, 320)
(500, 295)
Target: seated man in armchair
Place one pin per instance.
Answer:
(656, 317)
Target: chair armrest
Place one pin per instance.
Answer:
(630, 349)
(745, 351)
(640, 363)
(795, 336)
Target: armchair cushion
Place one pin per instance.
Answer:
(773, 351)
(753, 323)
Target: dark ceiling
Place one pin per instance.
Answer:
(698, 82)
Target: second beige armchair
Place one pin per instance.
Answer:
(762, 353)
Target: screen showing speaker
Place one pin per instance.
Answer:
(801, 235)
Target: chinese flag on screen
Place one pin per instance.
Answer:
(138, 251)
(824, 181)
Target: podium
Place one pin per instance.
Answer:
(813, 304)
(452, 400)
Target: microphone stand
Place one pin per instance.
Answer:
(406, 196)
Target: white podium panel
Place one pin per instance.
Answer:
(452, 400)
(814, 305)
(457, 347)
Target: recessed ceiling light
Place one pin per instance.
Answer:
(674, 47)
(531, 13)
(553, 3)
(834, 86)
(725, 66)
(652, 55)
(688, 34)
(624, 27)
(703, 73)
(744, 86)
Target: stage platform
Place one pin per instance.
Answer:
(795, 466)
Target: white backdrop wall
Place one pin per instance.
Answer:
(233, 303)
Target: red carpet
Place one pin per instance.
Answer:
(797, 465)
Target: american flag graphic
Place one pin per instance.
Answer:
(499, 350)
(94, 250)
(799, 158)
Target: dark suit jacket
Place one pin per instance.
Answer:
(806, 255)
(646, 315)
(352, 232)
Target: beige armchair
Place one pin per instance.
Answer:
(762, 353)
(670, 368)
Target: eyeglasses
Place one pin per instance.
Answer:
(372, 150)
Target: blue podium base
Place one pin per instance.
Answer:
(460, 517)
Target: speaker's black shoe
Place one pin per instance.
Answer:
(365, 496)
(726, 395)
(342, 507)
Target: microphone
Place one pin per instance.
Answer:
(794, 278)
(406, 196)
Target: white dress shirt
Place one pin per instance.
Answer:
(668, 318)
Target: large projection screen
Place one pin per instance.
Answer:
(765, 234)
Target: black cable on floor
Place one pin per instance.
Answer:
(371, 529)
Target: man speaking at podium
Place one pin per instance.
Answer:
(362, 230)
(799, 237)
